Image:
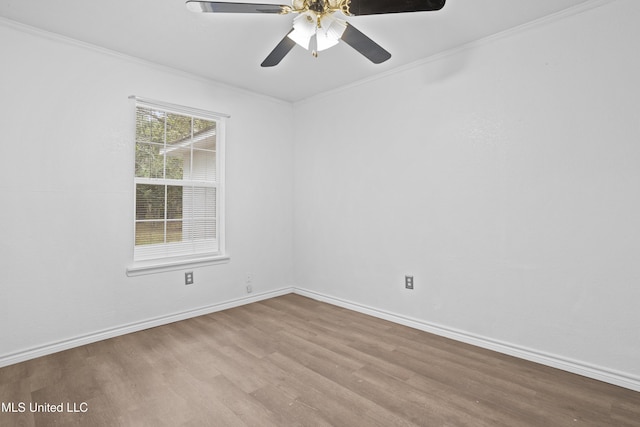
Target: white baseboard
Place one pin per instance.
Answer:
(577, 367)
(32, 353)
(574, 366)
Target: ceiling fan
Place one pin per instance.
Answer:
(316, 28)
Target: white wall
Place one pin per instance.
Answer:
(505, 177)
(66, 190)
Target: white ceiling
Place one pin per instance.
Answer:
(229, 47)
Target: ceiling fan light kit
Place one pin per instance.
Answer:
(327, 30)
(316, 28)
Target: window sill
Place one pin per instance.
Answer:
(160, 266)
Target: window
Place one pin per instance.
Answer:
(179, 155)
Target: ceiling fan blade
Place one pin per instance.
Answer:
(372, 7)
(363, 44)
(225, 7)
(279, 52)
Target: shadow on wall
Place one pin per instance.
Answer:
(437, 69)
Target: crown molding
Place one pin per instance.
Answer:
(59, 38)
(522, 28)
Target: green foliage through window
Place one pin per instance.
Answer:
(172, 151)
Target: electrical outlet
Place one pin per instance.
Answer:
(248, 281)
(408, 282)
(188, 278)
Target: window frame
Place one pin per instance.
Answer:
(168, 263)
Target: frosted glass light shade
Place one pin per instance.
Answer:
(329, 33)
(304, 27)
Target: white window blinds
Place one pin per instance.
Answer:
(178, 181)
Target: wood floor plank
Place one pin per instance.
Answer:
(338, 404)
(294, 361)
(426, 406)
(289, 410)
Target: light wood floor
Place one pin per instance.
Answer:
(293, 361)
